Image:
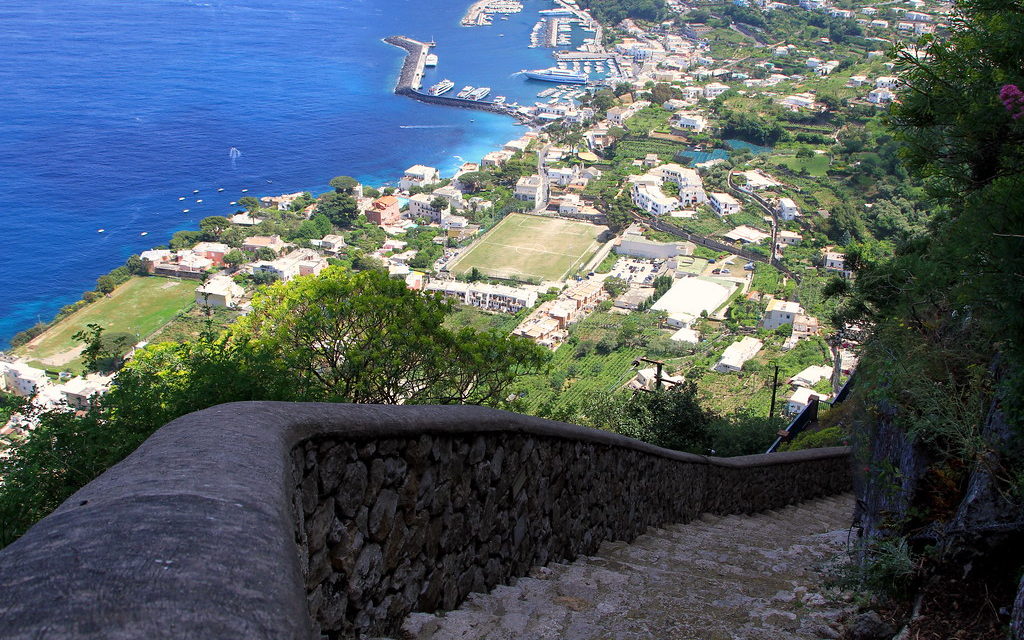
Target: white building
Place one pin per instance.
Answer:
(886, 82)
(301, 262)
(801, 398)
(714, 89)
(798, 101)
(747, 235)
(561, 175)
(419, 176)
(690, 121)
(496, 158)
(811, 376)
(787, 209)
(737, 354)
(723, 203)
(640, 247)
(691, 187)
(569, 204)
(651, 199)
(789, 238)
(492, 297)
(22, 380)
(881, 96)
(688, 298)
(332, 243)
(531, 189)
(82, 393)
(779, 313)
(835, 261)
(219, 291)
(420, 206)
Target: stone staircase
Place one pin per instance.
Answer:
(716, 578)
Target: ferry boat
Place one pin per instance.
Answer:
(480, 93)
(554, 74)
(441, 88)
(466, 90)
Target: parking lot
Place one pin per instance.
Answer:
(635, 270)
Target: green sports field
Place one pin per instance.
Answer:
(139, 306)
(521, 247)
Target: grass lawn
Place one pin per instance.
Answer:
(469, 317)
(139, 306)
(816, 166)
(521, 247)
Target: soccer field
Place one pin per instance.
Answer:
(521, 247)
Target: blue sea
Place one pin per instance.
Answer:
(114, 110)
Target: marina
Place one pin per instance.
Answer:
(480, 13)
(469, 97)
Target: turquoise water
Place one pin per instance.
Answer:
(114, 110)
(697, 157)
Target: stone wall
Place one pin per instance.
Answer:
(387, 527)
(268, 520)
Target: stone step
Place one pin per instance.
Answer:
(751, 577)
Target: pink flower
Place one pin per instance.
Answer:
(1013, 100)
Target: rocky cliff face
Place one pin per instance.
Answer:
(964, 521)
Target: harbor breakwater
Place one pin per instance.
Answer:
(410, 81)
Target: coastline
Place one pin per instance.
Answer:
(130, 210)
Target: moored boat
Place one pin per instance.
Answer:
(554, 74)
(441, 88)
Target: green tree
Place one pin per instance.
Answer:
(474, 181)
(440, 203)
(265, 253)
(671, 418)
(344, 184)
(615, 286)
(249, 203)
(339, 208)
(235, 257)
(214, 226)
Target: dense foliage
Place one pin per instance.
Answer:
(613, 11)
(945, 360)
(336, 337)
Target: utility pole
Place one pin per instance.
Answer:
(775, 384)
(657, 363)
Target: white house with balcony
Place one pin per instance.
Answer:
(651, 199)
(787, 209)
(723, 203)
(835, 261)
(881, 96)
(779, 313)
(419, 176)
(531, 189)
(22, 380)
(714, 89)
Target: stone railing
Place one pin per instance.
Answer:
(274, 520)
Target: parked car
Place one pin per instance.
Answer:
(726, 272)
(749, 266)
(716, 271)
